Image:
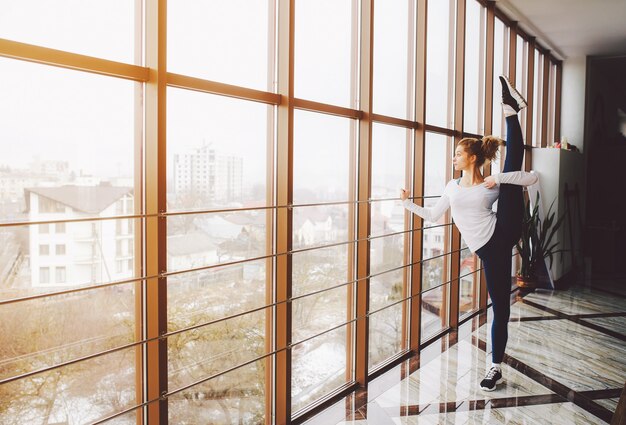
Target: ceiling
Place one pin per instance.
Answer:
(572, 28)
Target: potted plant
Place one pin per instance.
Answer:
(536, 243)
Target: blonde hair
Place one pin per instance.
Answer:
(484, 149)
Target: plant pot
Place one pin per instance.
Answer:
(527, 282)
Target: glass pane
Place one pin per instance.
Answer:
(323, 55)
(194, 28)
(393, 76)
(521, 58)
(386, 334)
(37, 259)
(390, 170)
(318, 226)
(497, 163)
(237, 397)
(500, 67)
(434, 311)
(516, 264)
(83, 392)
(321, 157)
(437, 170)
(320, 268)
(389, 174)
(48, 331)
(67, 139)
(104, 29)
(440, 63)
(217, 151)
(521, 77)
(473, 114)
(387, 217)
(552, 106)
(469, 261)
(198, 240)
(202, 352)
(317, 313)
(436, 241)
(387, 254)
(468, 296)
(199, 297)
(470, 279)
(313, 271)
(435, 271)
(538, 99)
(438, 163)
(318, 367)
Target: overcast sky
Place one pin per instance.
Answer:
(88, 119)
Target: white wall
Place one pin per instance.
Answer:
(573, 119)
(556, 168)
(573, 100)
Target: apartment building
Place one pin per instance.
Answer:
(84, 252)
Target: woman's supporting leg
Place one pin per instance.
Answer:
(497, 266)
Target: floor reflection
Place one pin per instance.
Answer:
(566, 360)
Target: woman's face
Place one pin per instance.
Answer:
(462, 160)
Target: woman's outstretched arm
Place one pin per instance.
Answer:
(431, 214)
(520, 178)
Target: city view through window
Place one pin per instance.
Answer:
(76, 137)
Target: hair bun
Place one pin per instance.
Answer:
(490, 146)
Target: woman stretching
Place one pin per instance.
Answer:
(489, 234)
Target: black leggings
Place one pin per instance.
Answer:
(496, 254)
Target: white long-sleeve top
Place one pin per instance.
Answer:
(472, 207)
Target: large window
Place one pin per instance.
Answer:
(500, 67)
(391, 169)
(324, 51)
(436, 246)
(440, 51)
(211, 230)
(68, 140)
(322, 158)
(100, 29)
(469, 280)
(245, 60)
(393, 58)
(215, 163)
(521, 77)
(551, 136)
(474, 106)
(538, 99)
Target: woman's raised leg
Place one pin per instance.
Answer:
(510, 200)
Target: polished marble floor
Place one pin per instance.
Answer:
(565, 364)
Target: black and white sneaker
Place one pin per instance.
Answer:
(491, 379)
(510, 96)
